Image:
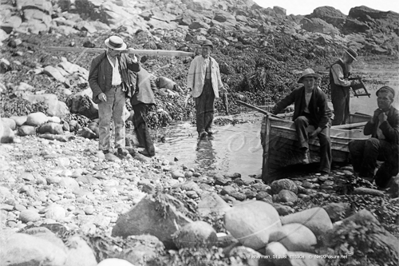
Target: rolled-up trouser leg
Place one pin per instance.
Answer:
(301, 123)
(325, 150)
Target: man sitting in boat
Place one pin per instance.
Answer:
(383, 144)
(311, 109)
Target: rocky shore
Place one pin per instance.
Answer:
(62, 204)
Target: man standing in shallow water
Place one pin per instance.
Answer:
(204, 82)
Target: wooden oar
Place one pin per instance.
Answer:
(256, 108)
(129, 50)
(349, 126)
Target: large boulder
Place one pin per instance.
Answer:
(152, 216)
(316, 219)
(318, 25)
(24, 249)
(252, 222)
(9, 122)
(330, 15)
(79, 253)
(36, 119)
(295, 237)
(36, 15)
(195, 234)
(212, 203)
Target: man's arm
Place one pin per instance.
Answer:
(390, 131)
(132, 63)
(324, 110)
(93, 78)
(289, 99)
(338, 76)
(191, 75)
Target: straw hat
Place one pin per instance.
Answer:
(115, 43)
(351, 53)
(308, 73)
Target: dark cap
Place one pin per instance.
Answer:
(387, 89)
(351, 53)
(207, 43)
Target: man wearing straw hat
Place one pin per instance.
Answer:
(110, 78)
(310, 109)
(340, 85)
(383, 144)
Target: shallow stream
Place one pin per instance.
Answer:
(237, 148)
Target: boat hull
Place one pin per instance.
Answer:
(280, 148)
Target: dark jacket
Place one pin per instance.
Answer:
(320, 113)
(389, 128)
(100, 75)
(143, 92)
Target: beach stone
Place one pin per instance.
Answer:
(211, 202)
(150, 216)
(69, 183)
(36, 119)
(297, 258)
(176, 174)
(19, 120)
(145, 250)
(251, 223)
(283, 209)
(281, 184)
(295, 237)
(79, 253)
(9, 122)
(6, 133)
(55, 212)
(250, 256)
(26, 130)
(362, 216)
(114, 262)
(194, 235)
(52, 128)
(24, 249)
(285, 196)
(337, 210)
(276, 249)
(46, 234)
(316, 219)
(29, 216)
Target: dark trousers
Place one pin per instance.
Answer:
(340, 100)
(364, 156)
(141, 127)
(301, 123)
(204, 106)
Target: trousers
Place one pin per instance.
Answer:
(141, 127)
(340, 99)
(364, 156)
(301, 124)
(112, 109)
(204, 106)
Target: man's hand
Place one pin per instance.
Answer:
(375, 115)
(187, 97)
(382, 117)
(315, 133)
(102, 97)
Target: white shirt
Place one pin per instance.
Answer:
(116, 76)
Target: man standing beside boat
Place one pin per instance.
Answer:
(340, 86)
(310, 109)
(383, 144)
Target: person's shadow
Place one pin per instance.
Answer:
(205, 154)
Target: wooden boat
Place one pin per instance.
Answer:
(279, 142)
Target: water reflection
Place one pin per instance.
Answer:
(205, 154)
